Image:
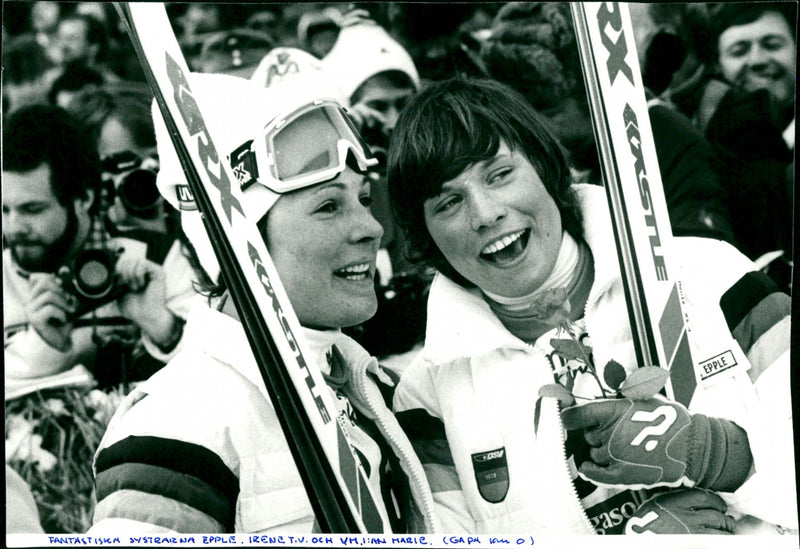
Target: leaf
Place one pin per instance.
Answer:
(537, 410)
(569, 348)
(554, 390)
(614, 374)
(644, 382)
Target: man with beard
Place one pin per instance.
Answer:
(50, 173)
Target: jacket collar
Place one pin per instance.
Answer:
(461, 323)
(223, 338)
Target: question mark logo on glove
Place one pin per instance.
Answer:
(667, 412)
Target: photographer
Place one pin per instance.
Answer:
(118, 118)
(50, 174)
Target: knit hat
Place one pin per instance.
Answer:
(532, 48)
(362, 51)
(235, 111)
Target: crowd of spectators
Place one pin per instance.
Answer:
(79, 150)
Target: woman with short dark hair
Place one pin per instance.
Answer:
(529, 294)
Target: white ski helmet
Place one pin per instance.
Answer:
(283, 63)
(277, 139)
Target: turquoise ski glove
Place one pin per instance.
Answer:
(647, 443)
(687, 511)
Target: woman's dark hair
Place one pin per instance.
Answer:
(47, 134)
(450, 126)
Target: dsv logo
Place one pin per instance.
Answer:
(669, 415)
(491, 455)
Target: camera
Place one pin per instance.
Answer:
(91, 279)
(133, 181)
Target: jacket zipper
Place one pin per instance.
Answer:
(573, 490)
(414, 473)
(563, 445)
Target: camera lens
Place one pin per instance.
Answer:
(94, 273)
(139, 194)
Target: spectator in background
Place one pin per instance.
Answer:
(120, 122)
(664, 56)
(197, 18)
(750, 112)
(264, 20)
(51, 173)
(44, 19)
(376, 74)
(756, 50)
(532, 48)
(28, 73)
(84, 39)
(74, 78)
(442, 39)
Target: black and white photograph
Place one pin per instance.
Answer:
(453, 274)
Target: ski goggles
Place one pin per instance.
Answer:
(309, 146)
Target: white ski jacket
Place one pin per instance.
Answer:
(198, 447)
(468, 400)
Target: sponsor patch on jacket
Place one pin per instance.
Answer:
(723, 362)
(491, 474)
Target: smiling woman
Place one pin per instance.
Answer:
(529, 295)
(324, 242)
(497, 225)
(219, 461)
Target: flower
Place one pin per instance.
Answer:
(553, 307)
(56, 405)
(23, 445)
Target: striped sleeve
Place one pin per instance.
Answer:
(169, 483)
(758, 315)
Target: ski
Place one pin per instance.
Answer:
(662, 333)
(332, 474)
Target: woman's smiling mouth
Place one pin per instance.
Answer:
(506, 249)
(358, 272)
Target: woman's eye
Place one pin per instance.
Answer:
(446, 204)
(366, 200)
(499, 175)
(327, 207)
